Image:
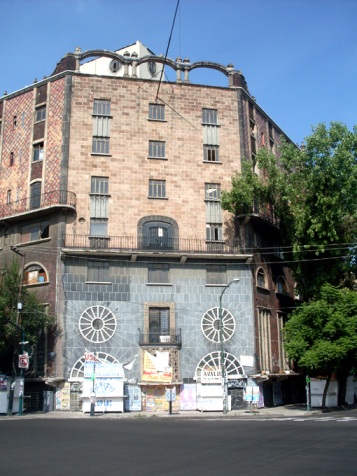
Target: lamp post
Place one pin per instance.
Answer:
(223, 366)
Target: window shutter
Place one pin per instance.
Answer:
(213, 212)
(99, 207)
(210, 135)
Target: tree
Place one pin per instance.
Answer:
(321, 336)
(313, 191)
(33, 321)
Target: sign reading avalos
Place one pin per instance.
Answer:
(211, 376)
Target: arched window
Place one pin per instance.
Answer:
(261, 280)
(34, 274)
(157, 232)
(35, 195)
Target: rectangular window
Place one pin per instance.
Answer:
(264, 339)
(213, 232)
(210, 153)
(12, 159)
(157, 112)
(157, 149)
(8, 197)
(216, 274)
(209, 116)
(213, 191)
(99, 185)
(101, 127)
(40, 114)
(38, 152)
(35, 231)
(98, 227)
(157, 188)
(158, 273)
(98, 271)
(283, 361)
(159, 323)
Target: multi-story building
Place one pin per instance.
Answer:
(110, 187)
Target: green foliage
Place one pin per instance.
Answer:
(321, 336)
(314, 194)
(33, 318)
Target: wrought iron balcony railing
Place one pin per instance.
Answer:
(132, 244)
(157, 339)
(264, 212)
(37, 202)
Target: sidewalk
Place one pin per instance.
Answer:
(287, 411)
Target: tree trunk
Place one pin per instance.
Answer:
(325, 393)
(342, 387)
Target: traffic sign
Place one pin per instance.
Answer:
(23, 361)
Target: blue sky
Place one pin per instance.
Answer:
(299, 57)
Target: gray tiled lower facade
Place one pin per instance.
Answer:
(125, 295)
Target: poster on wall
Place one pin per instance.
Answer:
(133, 400)
(188, 396)
(63, 397)
(156, 368)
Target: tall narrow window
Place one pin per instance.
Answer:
(8, 196)
(210, 135)
(157, 188)
(159, 323)
(101, 127)
(214, 217)
(35, 195)
(99, 199)
(264, 339)
(12, 160)
(283, 361)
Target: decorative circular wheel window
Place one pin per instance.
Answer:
(210, 325)
(77, 371)
(97, 324)
(211, 364)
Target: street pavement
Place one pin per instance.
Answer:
(286, 411)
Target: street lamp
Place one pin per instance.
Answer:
(223, 366)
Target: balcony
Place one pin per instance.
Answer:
(37, 204)
(135, 246)
(262, 213)
(153, 339)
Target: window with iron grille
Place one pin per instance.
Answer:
(159, 323)
(157, 149)
(157, 188)
(157, 112)
(101, 127)
(158, 273)
(216, 274)
(209, 116)
(211, 153)
(98, 271)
